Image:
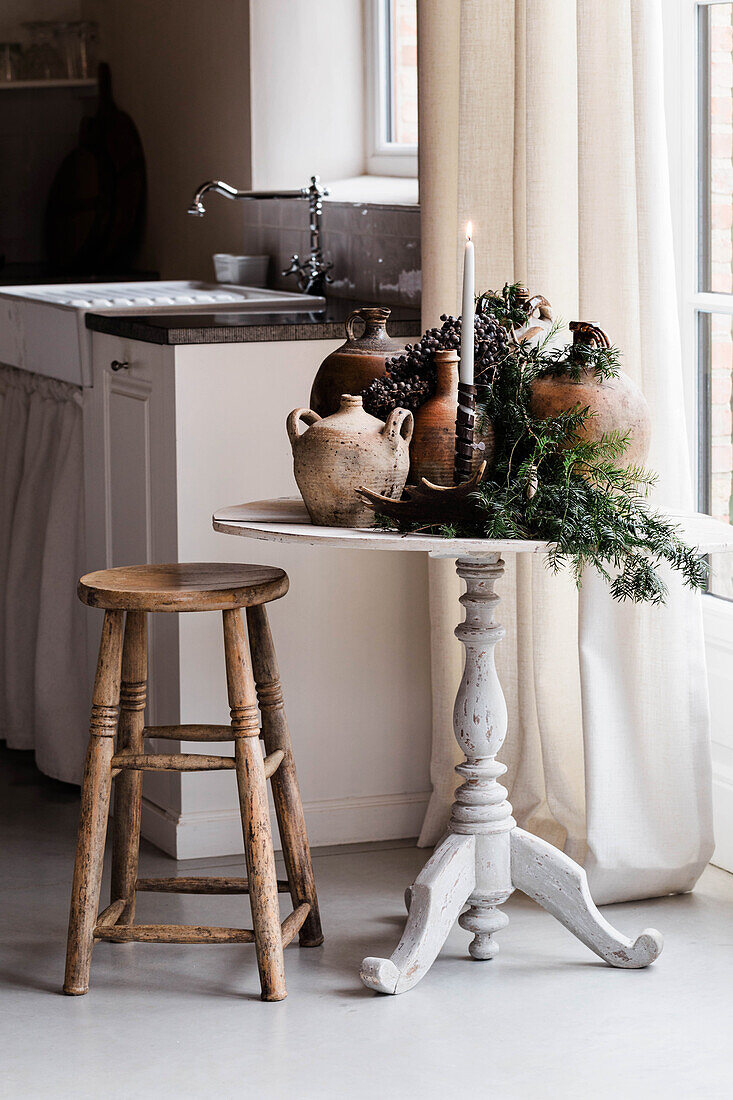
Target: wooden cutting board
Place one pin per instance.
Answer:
(95, 213)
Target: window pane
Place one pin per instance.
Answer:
(716, 435)
(716, 133)
(402, 129)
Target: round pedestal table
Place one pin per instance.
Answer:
(484, 856)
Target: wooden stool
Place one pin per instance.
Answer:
(119, 693)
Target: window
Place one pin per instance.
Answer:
(392, 87)
(700, 114)
(698, 47)
(698, 42)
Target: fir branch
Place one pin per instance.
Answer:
(585, 502)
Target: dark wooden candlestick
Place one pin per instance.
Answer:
(464, 432)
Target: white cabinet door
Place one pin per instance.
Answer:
(129, 440)
(130, 483)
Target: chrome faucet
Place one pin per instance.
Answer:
(312, 273)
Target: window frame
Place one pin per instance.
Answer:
(687, 138)
(383, 157)
(683, 110)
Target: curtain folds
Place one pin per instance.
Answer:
(542, 121)
(42, 627)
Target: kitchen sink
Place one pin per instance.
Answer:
(156, 297)
(43, 328)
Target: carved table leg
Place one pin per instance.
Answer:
(560, 886)
(485, 856)
(472, 864)
(480, 723)
(436, 898)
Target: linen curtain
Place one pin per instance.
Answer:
(42, 627)
(542, 121)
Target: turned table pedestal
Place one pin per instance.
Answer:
(484, 856)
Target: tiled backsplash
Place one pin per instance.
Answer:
(375, 249)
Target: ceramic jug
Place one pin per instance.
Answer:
(335, 455)
(433, 447)
(350, 368)
(615, 404)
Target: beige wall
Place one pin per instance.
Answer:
(15, 12)
(307, 91)
(181, 69)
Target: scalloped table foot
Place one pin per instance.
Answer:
(435, 899)
(560, 886)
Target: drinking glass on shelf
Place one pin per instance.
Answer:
(11, 58)
(65, 39)
(42, 59)
(81, 40)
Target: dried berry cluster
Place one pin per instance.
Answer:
(410, 377)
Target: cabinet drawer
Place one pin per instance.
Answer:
(126, 359)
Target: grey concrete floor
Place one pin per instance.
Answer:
(545, 1019)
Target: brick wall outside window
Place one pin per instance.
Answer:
(404, 75)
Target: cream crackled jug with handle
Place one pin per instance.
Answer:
(336, 455)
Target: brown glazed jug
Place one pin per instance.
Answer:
(616, 404)
(357, 362)
(433, 447)
(338, 454)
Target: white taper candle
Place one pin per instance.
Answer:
(468, 311)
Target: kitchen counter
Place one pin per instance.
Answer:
(246, 327)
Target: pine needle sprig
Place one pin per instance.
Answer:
(509, 307)
(579, 359)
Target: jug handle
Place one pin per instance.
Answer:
(307, 416)
(400, 422)
(355, 315)
(584, 332)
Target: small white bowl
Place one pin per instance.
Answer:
(241, 270)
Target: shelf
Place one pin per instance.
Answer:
(24, 85)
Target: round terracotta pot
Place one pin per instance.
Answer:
(339, 453)
(350, 368)
(433, 447)
(617, 404)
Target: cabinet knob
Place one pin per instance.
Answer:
(118, 364)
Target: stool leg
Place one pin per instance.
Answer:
(285, 790)
(95, 794)
(258, 848)
(129, 784)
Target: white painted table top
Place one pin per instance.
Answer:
(285, 519)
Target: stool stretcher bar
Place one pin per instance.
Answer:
(185, 762)
(189, 933)
(200, 885)
(189, 733)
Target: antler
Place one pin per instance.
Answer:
(424, 503)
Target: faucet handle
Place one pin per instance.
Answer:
(315, 191)
(295, 268)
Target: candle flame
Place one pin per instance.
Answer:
(469, 231)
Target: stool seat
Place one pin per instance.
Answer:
(193, 586)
